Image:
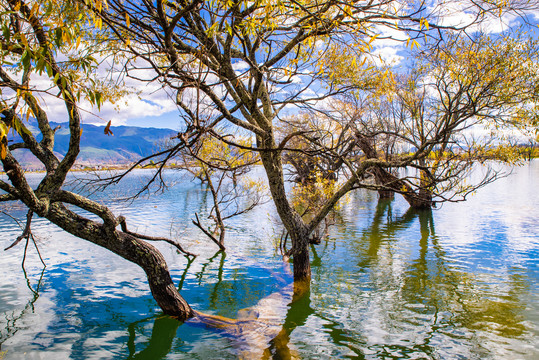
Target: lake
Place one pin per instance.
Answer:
(458, 282)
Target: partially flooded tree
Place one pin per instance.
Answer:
(40, 43)
(455, 109)
(247, 64)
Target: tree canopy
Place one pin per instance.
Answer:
(297, 82)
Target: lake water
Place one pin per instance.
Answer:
(460, 282)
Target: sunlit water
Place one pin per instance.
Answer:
(460, 282)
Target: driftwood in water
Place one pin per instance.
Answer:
(257, 327)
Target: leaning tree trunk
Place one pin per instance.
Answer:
(132, 249)
(48, 204)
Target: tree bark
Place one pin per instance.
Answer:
(292, 221)
(386, 194)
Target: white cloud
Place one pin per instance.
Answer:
(147, 100)
(464, 13)
(240, 66)
(387, 55)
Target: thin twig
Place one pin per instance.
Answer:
(26, 233)
(207, 233)
(152, 238)
(37, 249)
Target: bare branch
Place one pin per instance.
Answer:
(123, 224)
(26, 233)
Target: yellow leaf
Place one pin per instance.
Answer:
(3, 151)
(3, 130)
(23, 40)
(127, 20)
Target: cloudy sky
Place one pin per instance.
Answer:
(153, 106)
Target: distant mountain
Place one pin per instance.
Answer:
(128, 144)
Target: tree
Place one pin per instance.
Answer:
(462, 87)
(35, 35)
(223, 169)
(244, 64)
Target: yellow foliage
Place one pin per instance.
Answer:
(3, 139)
(308, 197)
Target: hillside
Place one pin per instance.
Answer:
(128, 144)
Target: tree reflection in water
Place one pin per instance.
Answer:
(419, 300)
(164, 331)
(11, 326)
(421, 304)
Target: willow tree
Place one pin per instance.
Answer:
(243, 65)
(457, 107)
(43, 41)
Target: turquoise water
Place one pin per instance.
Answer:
(460, 282)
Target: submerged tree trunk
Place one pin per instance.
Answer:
(302, 263)
(386, 194)
(421, 199)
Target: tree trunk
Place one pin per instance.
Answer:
(300, 253)
(292, 221)
(132, 249)
(421, 200)
(386, 194)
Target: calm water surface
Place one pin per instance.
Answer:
(460, 282)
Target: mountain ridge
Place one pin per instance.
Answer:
(126, 145)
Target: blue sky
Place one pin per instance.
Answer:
(153, 106)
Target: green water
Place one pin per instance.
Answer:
(460, 282)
